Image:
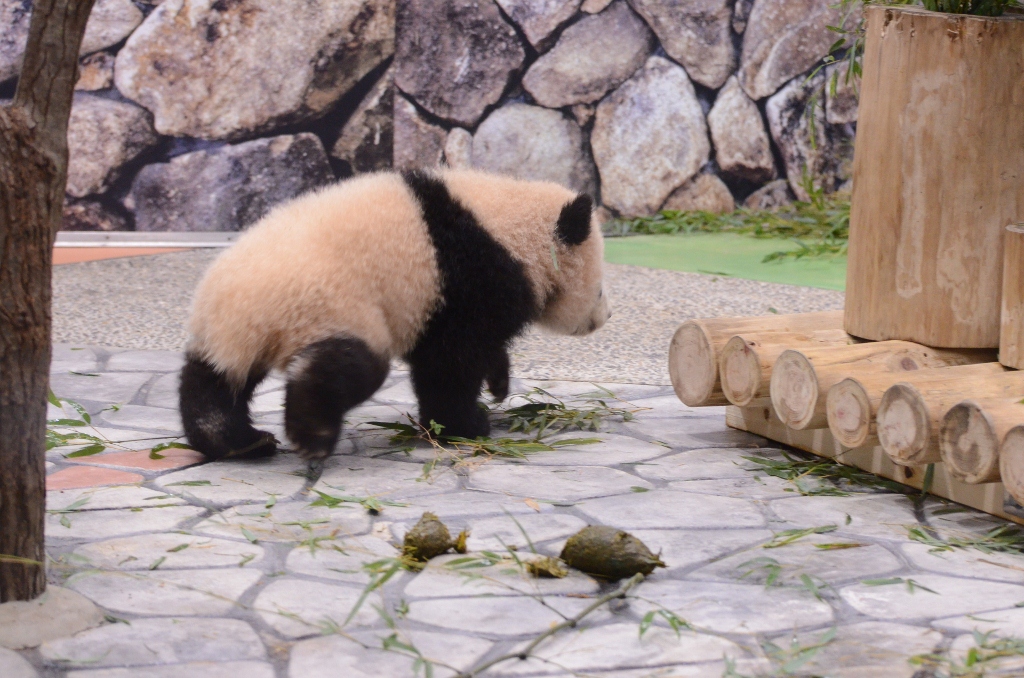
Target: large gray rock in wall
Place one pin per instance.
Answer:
(455, 57)
(538, 19)
(742, 147)
(649, 138)
(531, 142)
(696, 33)
(228, 188)
(417, 142)
(103, 136)
(89, 215)
(841, 105)
(784, 38)
(592, 57)
(367, 140)
(110, 22)
(233, 68)
(703, 193)
(817, 150)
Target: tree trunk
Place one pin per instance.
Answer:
(33, 173)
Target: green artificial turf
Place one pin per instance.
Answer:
(727, 254)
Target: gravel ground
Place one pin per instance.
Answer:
(142, 303)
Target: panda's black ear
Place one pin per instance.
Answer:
(574, 222)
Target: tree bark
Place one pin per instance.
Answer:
(33, 174)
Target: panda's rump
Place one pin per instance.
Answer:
(353, 259)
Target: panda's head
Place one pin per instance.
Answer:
(577, 303)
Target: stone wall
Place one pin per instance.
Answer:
(198, 115)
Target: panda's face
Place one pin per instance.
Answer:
(578, 304)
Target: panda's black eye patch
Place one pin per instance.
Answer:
(574, 221)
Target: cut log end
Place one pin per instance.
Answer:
(693, 366)
(740, 371)
(903, 425)
(848, 408)
(969, 444)
(1011, 463)
(794, 389)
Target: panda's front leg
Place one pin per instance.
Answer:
(447, 390)
(498, 374)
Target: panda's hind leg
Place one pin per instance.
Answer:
(325, 380)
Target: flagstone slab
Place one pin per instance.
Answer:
(751, 486)
(734, 608)
(1010, 665)
(144, 417)
(346, 475)
(248, 669)
(286, 521)
(462, 574)
(272, 401)
(164, 391)
(867, 649)
(296, 608)
(1007, 567)
(119, 522)
(77, 477)
(456, 508)
(400, 393)
(340, 560)
(804, 558)
(700, 464)
(999, 622)
(171, 550)
(620, 646)
(612, 450)
(682, 549)
(554, 484)
(146, 642)
(171, 458)
(58, 612)
(109, 387)
(885, 516)
(949, 596)
(146, 361)
(116, 497)
(223, 483)
(498, 533)
(167, 593)
(672, 509)
(13, 666)
(333, 656)
(500, 615)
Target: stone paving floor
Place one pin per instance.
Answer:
(232, 569)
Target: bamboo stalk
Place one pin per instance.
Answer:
(745, 364)
(852, 405)
(971, 433)
(910, 416)
(1011, 463)
(1011, 332)
(801, 379)
(697, 344)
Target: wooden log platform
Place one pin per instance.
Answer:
(990, 497)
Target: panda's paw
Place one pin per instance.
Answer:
(314, 454)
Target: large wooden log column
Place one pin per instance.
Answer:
(938, 176)
(1011, 336)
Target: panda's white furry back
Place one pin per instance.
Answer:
(442, 268)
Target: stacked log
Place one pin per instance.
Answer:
(910, 415)
(697, 346)
(971, 434)
(1011, 463)
(801, 379)
(745, 365)
(852, 405)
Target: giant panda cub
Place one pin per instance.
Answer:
(442, 268)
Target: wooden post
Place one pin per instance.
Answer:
(33, 174)
(910, 415)
(697, 344)
(1011, 335)
(852, 405)
(745, 365)
(938, 174)
(1011, 463)
(801, 379)
(971, 433)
